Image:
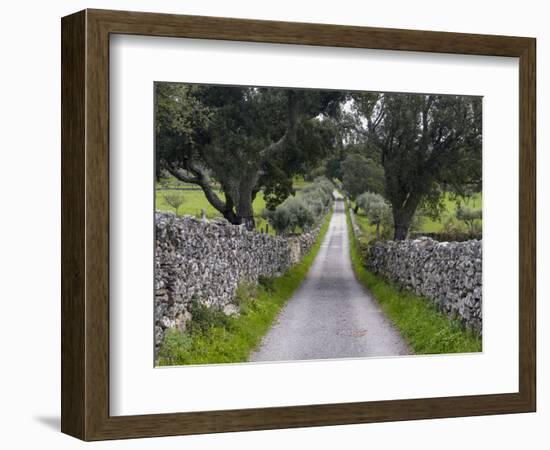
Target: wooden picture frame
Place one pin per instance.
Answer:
(85, 224)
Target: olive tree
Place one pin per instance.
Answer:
(376, 209)
(175, 200)
(304, 210)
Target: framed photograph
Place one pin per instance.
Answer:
(272, 225)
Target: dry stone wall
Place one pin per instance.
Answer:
(449, 273)
(207, 260)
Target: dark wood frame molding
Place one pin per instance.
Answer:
(85, 224)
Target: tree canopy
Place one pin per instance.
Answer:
(242, 140)
(425, 142)
(361, 174)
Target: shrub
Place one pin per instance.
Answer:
(470, 216)
(324, 184)
(317, 207)
(302, 212)
(245, 296)
(376, 209)
(267, 283)
(318, 196)
(175, 347)
(451, 225)
(203, 318)
(279, 219)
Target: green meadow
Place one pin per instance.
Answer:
(194, 200)
(425, 223)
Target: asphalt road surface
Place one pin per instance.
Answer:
(331, 315)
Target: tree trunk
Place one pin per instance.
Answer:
(246, 216)
(403, 214)
(228, 211)
(378, 231)
(356, 208)
(401, 231)
(237, 207)
(232, 218)
(402, 219)
(245, 209)
(250, 223)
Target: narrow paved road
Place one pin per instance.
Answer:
(331, 315)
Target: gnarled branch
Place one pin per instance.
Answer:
(201, 179)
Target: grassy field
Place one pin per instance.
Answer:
(194, 200)
(214, 338)
(427, 330)
(432, 226)
(427, 225)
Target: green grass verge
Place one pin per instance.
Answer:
(214, 338)
(427, 330)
